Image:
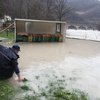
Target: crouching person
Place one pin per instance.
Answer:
(8, 62)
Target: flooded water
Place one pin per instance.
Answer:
(77, 61)
(83, 34)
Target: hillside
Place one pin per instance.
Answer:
(87, 10)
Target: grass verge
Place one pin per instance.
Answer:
(9, 35)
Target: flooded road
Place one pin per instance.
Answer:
(77, 61)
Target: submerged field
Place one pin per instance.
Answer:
(59, 71)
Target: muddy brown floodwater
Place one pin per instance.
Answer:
(77, 60)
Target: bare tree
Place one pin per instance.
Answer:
(48, 9)
(61, 9)
(33, 9)
(27, 5)
(14, 8)
(36, 9)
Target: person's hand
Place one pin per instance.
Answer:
(20, 79)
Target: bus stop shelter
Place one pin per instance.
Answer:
(28, 30)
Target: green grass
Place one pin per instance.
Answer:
(9, 35)
(25, 87)
(6, 90)
(58, 94)
(55, 90)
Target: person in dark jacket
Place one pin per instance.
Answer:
(9, 62)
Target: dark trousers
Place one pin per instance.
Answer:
(6, 73)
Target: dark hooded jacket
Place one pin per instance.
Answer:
(8, 62)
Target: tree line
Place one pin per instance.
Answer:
(35, 9)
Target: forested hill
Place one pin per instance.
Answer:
(87, 10)
(83, 5)
(78, 11)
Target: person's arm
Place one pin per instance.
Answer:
(20, 78)
(16, 70)
(18, 74)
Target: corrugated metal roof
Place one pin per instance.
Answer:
(44, 21)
